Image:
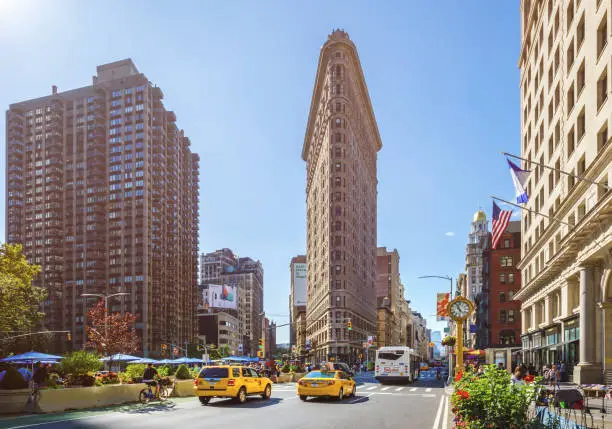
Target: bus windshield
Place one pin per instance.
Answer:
(391, 355)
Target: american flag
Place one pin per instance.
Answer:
(501, 218)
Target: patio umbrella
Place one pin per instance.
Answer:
(119, 357)
(181, 360)
(31, 357)
(144, 360)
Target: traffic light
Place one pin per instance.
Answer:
(164, 347)
(69, 337)
(261, 343)
(349, 325)
(259, 354)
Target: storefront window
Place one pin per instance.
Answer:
(572, 331)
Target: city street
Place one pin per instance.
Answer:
(422, 405)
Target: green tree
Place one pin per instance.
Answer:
(224, 351)
(19, 300)
(182, 372)
(80, 362)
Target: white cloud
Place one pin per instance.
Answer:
(449, 234)
(516, 215)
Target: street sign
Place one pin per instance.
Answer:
(240, 347)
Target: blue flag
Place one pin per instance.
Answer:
(519, 178)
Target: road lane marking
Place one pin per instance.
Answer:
(373, 387)
(386, 388)
(288, 399)
(445, 421)
(439, 413)
(413, 389)
(428, 389)
(399, 389)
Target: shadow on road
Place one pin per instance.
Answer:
(250, 403)
(167, 406)
(346, 401)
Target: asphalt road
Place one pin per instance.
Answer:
(423, 405)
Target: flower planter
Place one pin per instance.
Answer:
(13, 401)
(54, 400)
(284, 378)
(183, 388)
(297, 375)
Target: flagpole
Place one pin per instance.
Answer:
(558, 170)
(532, 211)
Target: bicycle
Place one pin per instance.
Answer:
(146, 395)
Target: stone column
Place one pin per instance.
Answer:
(588, 370)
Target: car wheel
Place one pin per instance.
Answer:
(242, 395)
(267, 393)
(204, 400)
(340, 395)
(303, 397)
(354, 391)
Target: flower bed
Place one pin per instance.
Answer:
(54, 400)
(491, 401)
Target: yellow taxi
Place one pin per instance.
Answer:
(325, 382)
(229, 381)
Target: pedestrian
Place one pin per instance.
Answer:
(519, 375)
(500, 365)
(40, 375)
(553, 377)
(562, 371)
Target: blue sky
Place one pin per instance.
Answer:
(442, 77)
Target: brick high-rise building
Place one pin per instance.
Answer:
(389, 297)
(340, 150)
(504, 280)
(102, 191)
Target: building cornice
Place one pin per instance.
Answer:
(579, 190)
(569, 247)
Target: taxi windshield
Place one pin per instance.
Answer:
(214, 373)
(320, 374)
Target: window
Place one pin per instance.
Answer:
(502, 278)
(580, 33)
(602, 35)
(571, 143)
(502, 316)
(510, 316)
(506, 243)
(570, 98)
(502, 297)
(580, 79)
(570, 13)
(510, 295)
(602, 89)
(510, 277)
(570, 56)
(505, 261)
(602, 137)
(581, 125)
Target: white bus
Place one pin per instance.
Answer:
(396, 364)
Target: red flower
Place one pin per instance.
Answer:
(463, 394)
(459, 375)
(529, 378)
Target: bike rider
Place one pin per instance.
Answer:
(150, 377)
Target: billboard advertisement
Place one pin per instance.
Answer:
(442, 303)
(299, 284)
(217, 296)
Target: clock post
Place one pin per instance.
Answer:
(459, 310)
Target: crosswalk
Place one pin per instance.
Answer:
(377, 389)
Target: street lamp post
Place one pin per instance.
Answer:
(105, 297)
(450, 365)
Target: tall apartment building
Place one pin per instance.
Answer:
(223, 267)
(566, 262)
(102, 191)
(389, 295)
(269, 336)
(340, 150)
(297, 299)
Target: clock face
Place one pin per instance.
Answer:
(460, 309)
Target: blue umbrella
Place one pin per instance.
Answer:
(119, 357)
(181, 360)
(31, 357)
(144, 360)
